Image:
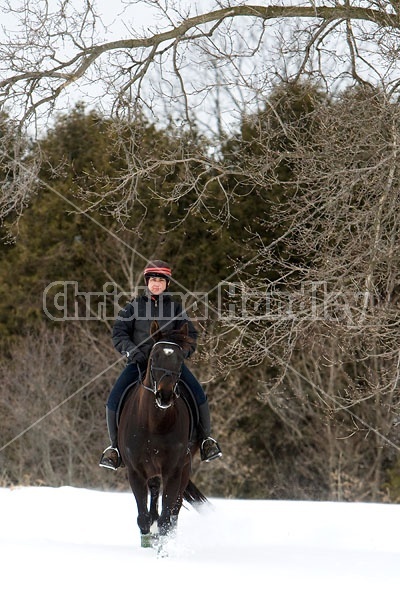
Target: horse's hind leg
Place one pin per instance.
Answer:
(168, 517)
(175, 512)
(154, 487)
(179, 501)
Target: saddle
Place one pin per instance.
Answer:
(185, 393)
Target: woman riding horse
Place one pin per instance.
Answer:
(131, 337)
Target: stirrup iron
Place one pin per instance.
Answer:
(209, 450)
(107, 462)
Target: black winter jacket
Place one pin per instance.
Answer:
(131, 331)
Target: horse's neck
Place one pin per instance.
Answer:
(147, 381)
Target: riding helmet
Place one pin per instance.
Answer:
(157, 268)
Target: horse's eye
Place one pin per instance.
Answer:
(168, 351)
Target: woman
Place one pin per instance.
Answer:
(131, 337)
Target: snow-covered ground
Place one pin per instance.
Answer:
(68, 543)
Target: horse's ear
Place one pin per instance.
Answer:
(154, 328)
(184, 330)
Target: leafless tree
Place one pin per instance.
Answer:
(195, 67)
(52, 404)
(327, 328)
(331, 336)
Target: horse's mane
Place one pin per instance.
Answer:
(177, 336)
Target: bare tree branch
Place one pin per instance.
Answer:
(53, 51)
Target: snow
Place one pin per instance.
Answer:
(66, 543)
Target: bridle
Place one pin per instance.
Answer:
(165, 373)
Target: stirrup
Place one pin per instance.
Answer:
(113, 461)
(209, 450)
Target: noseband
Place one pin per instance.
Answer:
(165, 373)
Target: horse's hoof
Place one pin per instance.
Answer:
(148, 540)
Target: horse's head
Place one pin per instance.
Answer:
(165, 362)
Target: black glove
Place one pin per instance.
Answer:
(136, 357)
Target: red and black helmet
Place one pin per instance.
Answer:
(157, 268)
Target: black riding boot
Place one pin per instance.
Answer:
(111, 458)
(209, 448)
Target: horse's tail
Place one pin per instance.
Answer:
(193, 495)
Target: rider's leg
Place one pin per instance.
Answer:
(111, 458)
(111, 419)
(209, 448)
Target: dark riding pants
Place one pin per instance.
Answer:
(131, 374)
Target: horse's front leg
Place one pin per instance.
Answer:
(154, 487)
(139, 488)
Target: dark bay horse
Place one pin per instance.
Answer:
(153, 437)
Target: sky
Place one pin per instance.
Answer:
(116, 15)
(121, 19)
(69, 543)
(118, 18)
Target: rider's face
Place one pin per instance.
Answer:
(157, 285)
